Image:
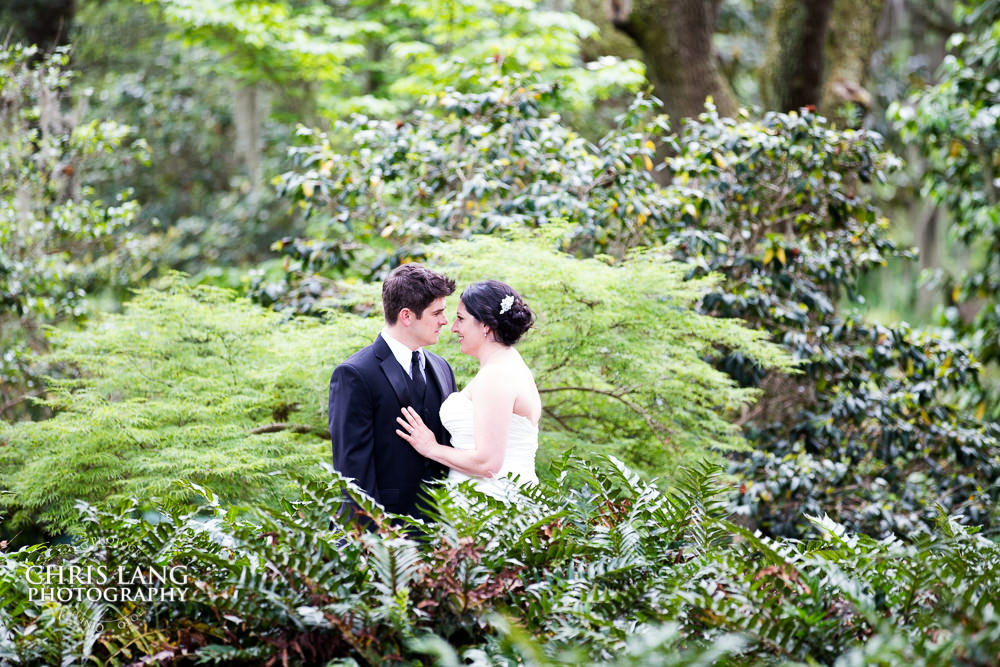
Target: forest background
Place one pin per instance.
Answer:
(763, 240)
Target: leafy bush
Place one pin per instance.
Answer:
(58, 240)
(618, 351)
(465, 163)
(194, 383)
(606, 570)
(781, 206)
(199, 205)
(872, 430)
(956, 124)
(175, 387)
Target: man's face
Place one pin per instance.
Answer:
(425, 329)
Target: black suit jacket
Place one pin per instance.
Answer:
(367, 393)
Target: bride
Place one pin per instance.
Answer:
(493, 422)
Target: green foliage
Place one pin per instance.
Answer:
(457, 38)
(956, 123)
(268, 40)
(467, 163)
(871, 430)
(201, 210)
(608, 570)
(176, 387)
(378, 59)
(57, 238)
(740, 30)
(192, 383)
(238, 74)
(618, 351)
(780, 206)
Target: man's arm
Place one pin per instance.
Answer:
(352, 427)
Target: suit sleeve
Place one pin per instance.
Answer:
(352, 424)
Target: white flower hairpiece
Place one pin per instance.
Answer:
(506, 303)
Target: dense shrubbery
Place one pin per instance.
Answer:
(466, 163)
(782, 207)
(194, 383)
(200, 203)
(594, 565)
(956, 123)
(229, 81)
(172, 388)
(59, 240)
(618, 351)
(872, 431)
(774, 223)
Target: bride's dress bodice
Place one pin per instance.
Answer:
(519, 456)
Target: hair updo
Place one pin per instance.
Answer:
(483, 300)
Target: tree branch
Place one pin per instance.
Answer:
(934, 17)
(14, 401)
(287, 426)
(653, 424)
(560, 420)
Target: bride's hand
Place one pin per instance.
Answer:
(415, 432)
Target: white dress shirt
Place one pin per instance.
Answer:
(404, 354)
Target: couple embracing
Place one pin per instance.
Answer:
(397, 419)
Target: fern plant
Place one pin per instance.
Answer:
(604, 569)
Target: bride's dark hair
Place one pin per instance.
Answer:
(484, 301)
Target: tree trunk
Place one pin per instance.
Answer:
(793, 68)
(820, 54)
(676, 41)
(850, 43)
(252, 107)
(928, 234)
(607, 41)
(376, 76)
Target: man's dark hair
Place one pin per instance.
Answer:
(412, 286)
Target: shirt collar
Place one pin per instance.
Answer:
(402, 353)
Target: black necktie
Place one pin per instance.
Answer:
(419, 384)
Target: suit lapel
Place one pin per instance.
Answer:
(393, 372)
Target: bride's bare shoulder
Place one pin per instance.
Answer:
(513, 378)
(493, 374)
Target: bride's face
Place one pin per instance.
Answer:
(471, 332)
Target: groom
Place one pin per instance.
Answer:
(368, 391)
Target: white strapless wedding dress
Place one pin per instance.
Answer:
(518, 466)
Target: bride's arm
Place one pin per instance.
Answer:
(491, 410)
